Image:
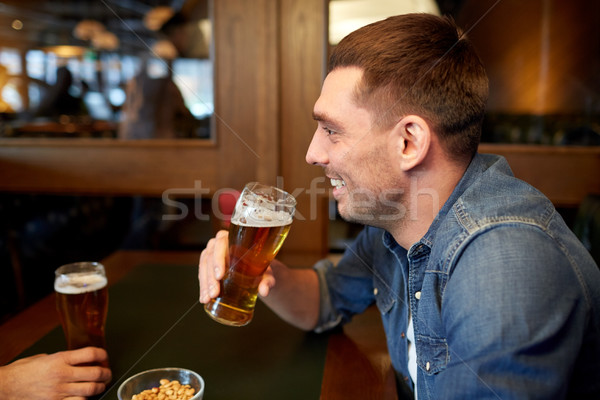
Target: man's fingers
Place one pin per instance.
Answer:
(203, 271)
(266, 283)
(212, 266)
(220, 255)
(83, 390)
(84, 356)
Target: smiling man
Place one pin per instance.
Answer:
(393, 176)
(483, 290)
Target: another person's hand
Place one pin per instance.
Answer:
(65, 374)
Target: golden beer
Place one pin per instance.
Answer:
(256, 234)
(82, 303)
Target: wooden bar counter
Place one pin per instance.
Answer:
(354, 360)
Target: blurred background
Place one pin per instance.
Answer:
(116, 115)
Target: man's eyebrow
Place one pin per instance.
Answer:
(319, 116)
(327, 120)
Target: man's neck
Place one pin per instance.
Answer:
(427, 194)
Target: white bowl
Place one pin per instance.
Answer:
(151, 378)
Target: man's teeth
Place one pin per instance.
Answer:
(337, 183)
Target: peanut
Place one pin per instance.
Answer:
(172, 390)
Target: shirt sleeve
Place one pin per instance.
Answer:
(515, 314)
(346, 289)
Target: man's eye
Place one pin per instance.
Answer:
(328, 131)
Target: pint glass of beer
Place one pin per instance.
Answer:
(82, 303)
(259, 225)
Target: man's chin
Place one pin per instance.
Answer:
(370, 218)
(363, 217)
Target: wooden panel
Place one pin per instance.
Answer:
(541, 55)
(246, 83)
(105, 166)
(303, 58)
(564, 174)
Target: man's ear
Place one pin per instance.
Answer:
(413, 139)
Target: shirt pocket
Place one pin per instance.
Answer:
(384, 298)
(432, 354)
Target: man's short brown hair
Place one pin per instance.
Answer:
(419, 64)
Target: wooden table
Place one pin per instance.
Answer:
(357, 364)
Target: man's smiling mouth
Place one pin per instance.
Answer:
(337, 183)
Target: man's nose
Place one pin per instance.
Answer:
(316, 154)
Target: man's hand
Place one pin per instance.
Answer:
(280, 287)
(211, 268)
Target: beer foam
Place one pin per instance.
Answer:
(263, 218)
(80, 282)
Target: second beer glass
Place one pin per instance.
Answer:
(259, 225)
(82, 303)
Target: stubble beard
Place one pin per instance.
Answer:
(386, 210)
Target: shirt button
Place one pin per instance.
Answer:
(402, 335)
(418, 295)
(427, 366)
(375, 291)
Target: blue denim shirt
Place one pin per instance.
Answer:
(505, 300)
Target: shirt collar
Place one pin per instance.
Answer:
(478, 164)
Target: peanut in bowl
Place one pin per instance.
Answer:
(163, 384)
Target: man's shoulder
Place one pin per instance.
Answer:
(494, 195)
